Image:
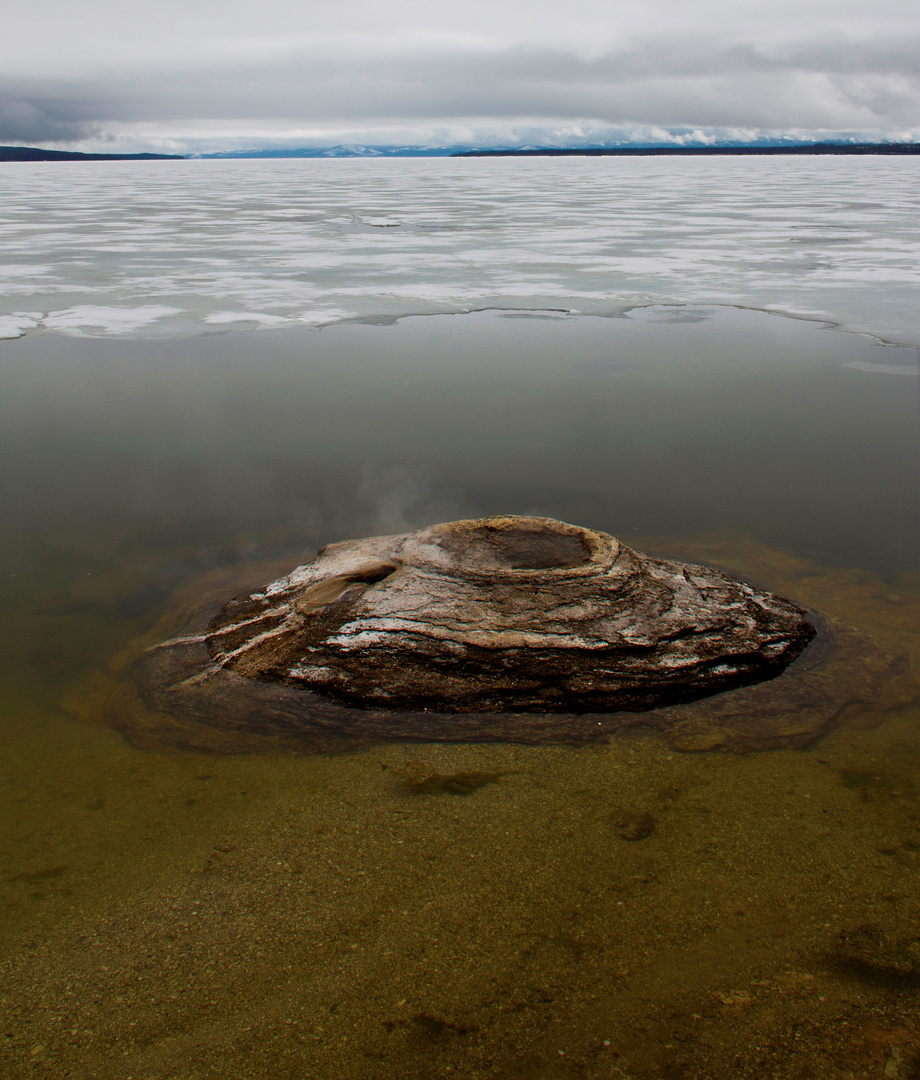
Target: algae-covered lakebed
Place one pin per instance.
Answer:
(618, 909)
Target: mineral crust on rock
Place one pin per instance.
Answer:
(503, 614)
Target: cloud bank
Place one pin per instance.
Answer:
(203, 76)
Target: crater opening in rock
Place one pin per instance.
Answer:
(491, 548)
(374, 572)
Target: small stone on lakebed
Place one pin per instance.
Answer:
(633, 826)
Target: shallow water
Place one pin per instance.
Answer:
(618, 910)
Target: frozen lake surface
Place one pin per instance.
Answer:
(169, 247)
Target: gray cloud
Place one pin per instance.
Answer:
(25, 120)
(829, 84)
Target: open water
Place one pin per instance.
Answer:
(172, 913)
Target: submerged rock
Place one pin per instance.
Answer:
(422, 777)
(633, 826)
(510, 628)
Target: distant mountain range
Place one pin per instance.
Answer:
(346, 151)
(684, 151)
(763, 146)
(760, 146)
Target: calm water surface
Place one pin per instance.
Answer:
(178, 915)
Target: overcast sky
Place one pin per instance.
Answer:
(193, 75)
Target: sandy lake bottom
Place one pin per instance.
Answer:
(607, 911)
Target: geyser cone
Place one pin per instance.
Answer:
(513, 629)
(505, 614)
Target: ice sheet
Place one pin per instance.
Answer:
(166, 247)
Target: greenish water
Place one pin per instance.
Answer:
(180, 915)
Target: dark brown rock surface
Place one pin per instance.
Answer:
(506, 614)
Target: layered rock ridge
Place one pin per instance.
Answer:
(504, 615)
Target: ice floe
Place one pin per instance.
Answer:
(106, 320)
